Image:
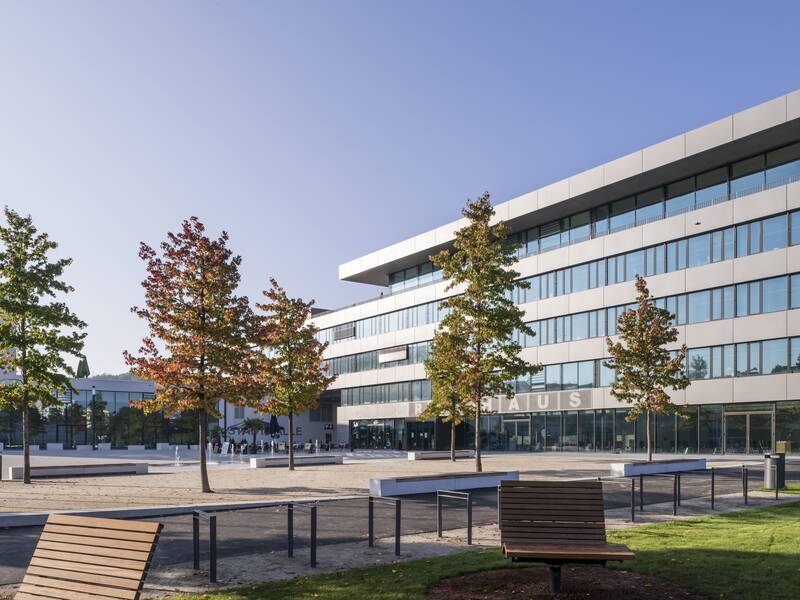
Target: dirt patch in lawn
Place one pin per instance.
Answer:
(578, 582)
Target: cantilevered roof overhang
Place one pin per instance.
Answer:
(757, 129)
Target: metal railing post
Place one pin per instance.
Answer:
(313, 537)
(397, 528)
(212, 542)
(675, 495)
(775, 468)
(633, 499)
(712, 488)
(499, 511)
(196, 540)
(744, 482)
(438, 515)
(290, 528)
(679, 489)
(371, 522)
(641, 493)
(469, 520)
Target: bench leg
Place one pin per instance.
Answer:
(555, 580)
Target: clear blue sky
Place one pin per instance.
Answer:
(314, 132)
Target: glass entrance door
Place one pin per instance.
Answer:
(518, 434)
(735, 434)
(748, 433)
(760, 433)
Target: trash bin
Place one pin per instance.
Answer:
(774, 470)
(784, 447)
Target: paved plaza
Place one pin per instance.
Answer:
(233, 480)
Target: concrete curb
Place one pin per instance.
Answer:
(11, 520)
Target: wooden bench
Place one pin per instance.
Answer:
(81, 558)
(556, 523)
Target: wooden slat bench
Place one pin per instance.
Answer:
(88, 558)
(556, 523)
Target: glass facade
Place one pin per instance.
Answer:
(745, 239)
(82, 419)
(709, 429)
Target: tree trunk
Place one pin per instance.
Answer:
(26, 440)
(291, 441)
(255, 434)
(201, 415)
(478, 465)
(649, 441)
(452, 440)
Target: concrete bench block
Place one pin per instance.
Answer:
(632, 469)
(16, 473)
(283, 461)
(400, 486)
(439, 454)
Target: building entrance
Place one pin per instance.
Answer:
(748, 433)
(419, 435)
(518, 434)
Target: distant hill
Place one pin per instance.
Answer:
(119, 376)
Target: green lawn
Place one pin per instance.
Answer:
(747, 554)
(793, 487)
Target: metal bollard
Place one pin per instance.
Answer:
(313, 537)
(633, 499)
(397, 528)
(290, 528)
(371, 522)
(679, 489)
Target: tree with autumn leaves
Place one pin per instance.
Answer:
(644, 368)
(290, 373)
(475, 351)
(199, 328)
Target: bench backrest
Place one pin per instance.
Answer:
(552, 512)
(85, 557)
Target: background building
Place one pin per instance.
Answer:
(709, 217)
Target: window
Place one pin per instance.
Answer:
(783, 165)
(699, 250)
(553, 377)
(747, 176)
(569, 376)
(773, 359)
(649, 206)
(680, 197)
(775, 294)
(712, 187)
(579, 227)
(586, 374)
(622, 214)
(580, 277)
(635, 264)
(699, 307)
(238, 412)
(699, 360)
(795, 291)
(580, 326)
(775, 232)
(741, 300)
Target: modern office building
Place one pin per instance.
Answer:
(711, 218)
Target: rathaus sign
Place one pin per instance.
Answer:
(566, 400)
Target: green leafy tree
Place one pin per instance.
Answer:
(474, 346)
(193, 311)
(443, 368)
(290, 372)
(253, 427)
(83, 368)
(644, 368)
(37, 330)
